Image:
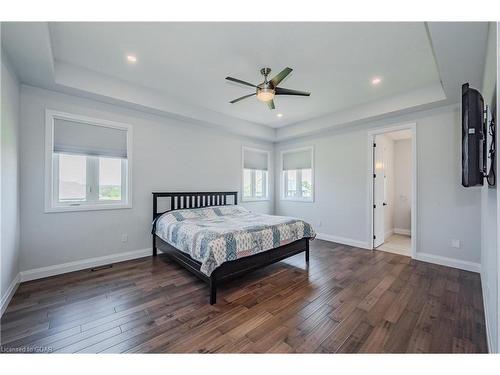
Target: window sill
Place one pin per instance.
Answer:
(83, 207)
(298, 200)
(255, 199)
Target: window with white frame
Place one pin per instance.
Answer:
(255, 174)
(90, 162)
(297, 174)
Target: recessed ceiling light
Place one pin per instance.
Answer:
(280, 115)
(376, 80)
(131, 58)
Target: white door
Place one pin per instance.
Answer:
(378, 194)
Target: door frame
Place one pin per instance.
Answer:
(412, 126)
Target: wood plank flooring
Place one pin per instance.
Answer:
(347, 301)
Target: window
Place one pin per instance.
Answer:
(255, 174)
(297, 174)
(90, 162)
(110, 179)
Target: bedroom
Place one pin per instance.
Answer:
(145, 209)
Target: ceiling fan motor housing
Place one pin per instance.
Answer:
(265, 90)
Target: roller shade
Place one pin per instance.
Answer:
(253, 159)
(297, 160)
(81, 138)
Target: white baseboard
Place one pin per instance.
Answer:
(57, 269)
(405, 232)
(450, 262)
(342, 240)
(486, 314)
(9, 293)
(388, 233)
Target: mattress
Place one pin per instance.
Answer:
(214, 235)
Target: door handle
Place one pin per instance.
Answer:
(384, 204)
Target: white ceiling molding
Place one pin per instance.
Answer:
(404, 117)
(457, 52)
(72, 79)
(28, 45)
(389, 106)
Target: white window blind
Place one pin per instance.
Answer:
(81, 138)
(254, 159)
(297, 160)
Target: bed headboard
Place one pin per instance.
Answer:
(194, 200)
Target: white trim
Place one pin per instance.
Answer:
(343, 240)
(450, 262)
(388, 233)
(57, 269)
(248, 200)
(487, 322)
(89, 207)
(9, 293)
(50, 116)
(303, 200)
(282, 185)
(404, 232)
(371, 137)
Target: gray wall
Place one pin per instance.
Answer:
(445, 209)
(10, 176)
(168, 155)
(402, 181)
(340, 187)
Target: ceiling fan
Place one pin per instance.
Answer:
(266, 90)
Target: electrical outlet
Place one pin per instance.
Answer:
(124, 237)
(455, 243)
(319, 223)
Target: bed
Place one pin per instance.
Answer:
(211, 236)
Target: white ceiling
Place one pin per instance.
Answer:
(335, 61)
(181, 68)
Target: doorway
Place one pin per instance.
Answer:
(393, 189)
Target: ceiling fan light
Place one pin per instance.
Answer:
(265, 95)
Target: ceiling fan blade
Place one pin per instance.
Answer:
(240, 81)
(281, 76)
(243, 97)
(282, 91)
(270, 104)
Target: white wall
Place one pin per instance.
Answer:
(402, 182)
(9, 180)
(489, 214)
(168, 155)
(445, 209)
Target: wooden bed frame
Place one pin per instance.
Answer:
(228, 270)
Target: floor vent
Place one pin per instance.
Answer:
(101, 268)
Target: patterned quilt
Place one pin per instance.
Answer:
(214, 235)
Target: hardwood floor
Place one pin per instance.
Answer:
(348, 300)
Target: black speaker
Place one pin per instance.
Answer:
(473, 136)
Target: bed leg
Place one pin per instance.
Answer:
(213, 292)
(155, 250)
(307, 251)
